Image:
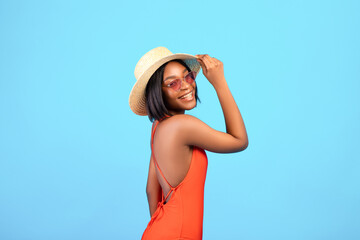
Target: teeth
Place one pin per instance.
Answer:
(187, 95)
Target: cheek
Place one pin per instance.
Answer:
(167, 96)
(168, 93)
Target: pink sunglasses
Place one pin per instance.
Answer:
(176, 83)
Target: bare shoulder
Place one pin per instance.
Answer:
(180, 125)
(183, 127)
(180, 122)
(171, 131)
(183, 118)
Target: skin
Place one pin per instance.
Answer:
(175, 105)
(175, 136)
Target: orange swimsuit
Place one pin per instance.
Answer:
(182, 216)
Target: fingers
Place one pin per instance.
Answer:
(212, 68)
(206, 60)
(202, 64)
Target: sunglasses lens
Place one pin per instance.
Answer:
(176, 84)
(190, 78)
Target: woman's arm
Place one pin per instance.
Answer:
(153, 188)
(192, 131)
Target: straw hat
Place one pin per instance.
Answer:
(146, 67)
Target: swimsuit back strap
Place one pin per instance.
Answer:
(157, 165)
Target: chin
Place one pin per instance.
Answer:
(183, 107)
(190, 106)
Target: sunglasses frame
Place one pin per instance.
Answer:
(181, 81)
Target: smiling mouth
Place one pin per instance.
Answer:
(188, 96)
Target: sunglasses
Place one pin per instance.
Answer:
(177, 83)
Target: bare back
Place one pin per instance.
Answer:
(173, 157)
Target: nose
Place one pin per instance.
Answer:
(184, 84)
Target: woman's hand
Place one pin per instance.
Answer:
(212, 69)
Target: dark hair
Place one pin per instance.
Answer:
(155, 105)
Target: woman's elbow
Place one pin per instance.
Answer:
(242, 145)
(245, 145)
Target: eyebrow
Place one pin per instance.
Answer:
(172, 76)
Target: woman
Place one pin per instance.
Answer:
(164, 90)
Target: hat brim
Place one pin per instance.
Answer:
(137, 99)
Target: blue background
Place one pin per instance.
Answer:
(74, 158)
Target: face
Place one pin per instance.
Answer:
(174, 100)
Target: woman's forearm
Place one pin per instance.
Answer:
(213, 70)
(233, 119)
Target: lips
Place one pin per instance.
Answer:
(185, 94)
